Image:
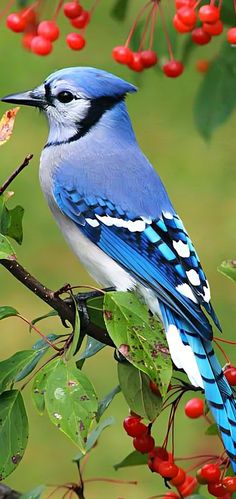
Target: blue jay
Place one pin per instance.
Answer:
(114, 212)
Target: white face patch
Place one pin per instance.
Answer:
(193, 277)
(181, 248)
(131, 225)
(185, 290)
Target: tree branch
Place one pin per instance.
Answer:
(64, 308)
(16, 172)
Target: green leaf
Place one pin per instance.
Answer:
(92, 347)
(15, 229)
(133, 459)
(6, 250)
(13, 431)
(216, 97)
(10, 368)
(119, 10)
(7, 312)
(94, 436)
(39, 385)
(71, 402)
(76, 334)
(228, 268)
(34, 494)
(136, 390)
(40, 348)
(104, 404)
(212, 430)
(95, 311)
(52, 313)
(138, 336)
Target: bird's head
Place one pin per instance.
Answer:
(74, 99)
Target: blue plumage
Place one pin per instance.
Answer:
(116, 214)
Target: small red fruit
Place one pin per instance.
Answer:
(217, 489)
(122, 54)
(29, 14)
(187, 15)
(27, 40)
(168, 469)
(231, 37)
(75, 41)
(171, 495)
(72, 9)
(41, 46)
(16, 22)
(183, 3)
(194, 408)
(179, 479)
(82, 20)
(230, 483)
(173, 68)
(200, 37)
(213, 29)
(211, 472)
(209, 13)
(230, 372)
(136, 62)
(49, 30)
(188, 487)
(134, 427)
(181, 27)
(144, 444)
(149, 59)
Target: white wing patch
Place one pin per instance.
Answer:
(207, 293)
(185, 290)
(193, 277)
(92, 221)
(181, 248)
(131, 225)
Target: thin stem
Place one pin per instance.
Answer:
(153, 25)
(57, 10)
(164, 25)
(111, 480)
(222, 351)
(7, 8)
(189, 458)
(39, 369)
(222, 340)
(94, 6)
(134, 26)
(6, 184)
(146, 26)
(39, 332)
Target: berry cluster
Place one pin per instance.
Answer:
(203, 21)
(38, 36)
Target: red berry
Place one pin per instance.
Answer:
(29, 15)
(173, 68)
(213, 29)
(144, 444)
(136, 62)
(27, 40)
(122, 54)
(179, 479)
(171, 495)
(82, 20)
(149, 59)
(187, 15)
(75, 41)
(211, 472)
(194, 408)
(209, 14)
(72, 9)
(230, 372)
(41, 46)
(179, 26)
(134, 427)
(217, 489)
(230, 483)
(49, 30)
(16, 22)
(168, 469)
(188, 487)
(231, 37)
(183, 3)
(200, 37)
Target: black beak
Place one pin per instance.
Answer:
(30, 98)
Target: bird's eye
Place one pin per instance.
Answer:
(65, 97)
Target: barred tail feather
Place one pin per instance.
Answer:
(218, 393)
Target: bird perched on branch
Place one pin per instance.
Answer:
(116, 215)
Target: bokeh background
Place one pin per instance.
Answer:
(201, 180)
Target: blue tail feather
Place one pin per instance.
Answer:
(218, 393)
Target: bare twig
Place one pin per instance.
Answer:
(15, 173)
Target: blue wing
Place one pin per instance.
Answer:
(159, 253)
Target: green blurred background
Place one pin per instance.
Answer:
(200, 178)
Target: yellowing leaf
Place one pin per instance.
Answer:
(7, 124)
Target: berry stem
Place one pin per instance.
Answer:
(144, 33)
(153, 24)
(164, 25)
(222, 351)
(225, 341)
(110, 480)
(7, 8)
(134, 26)
(39, 332)
(94, 6)
(57, 10)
